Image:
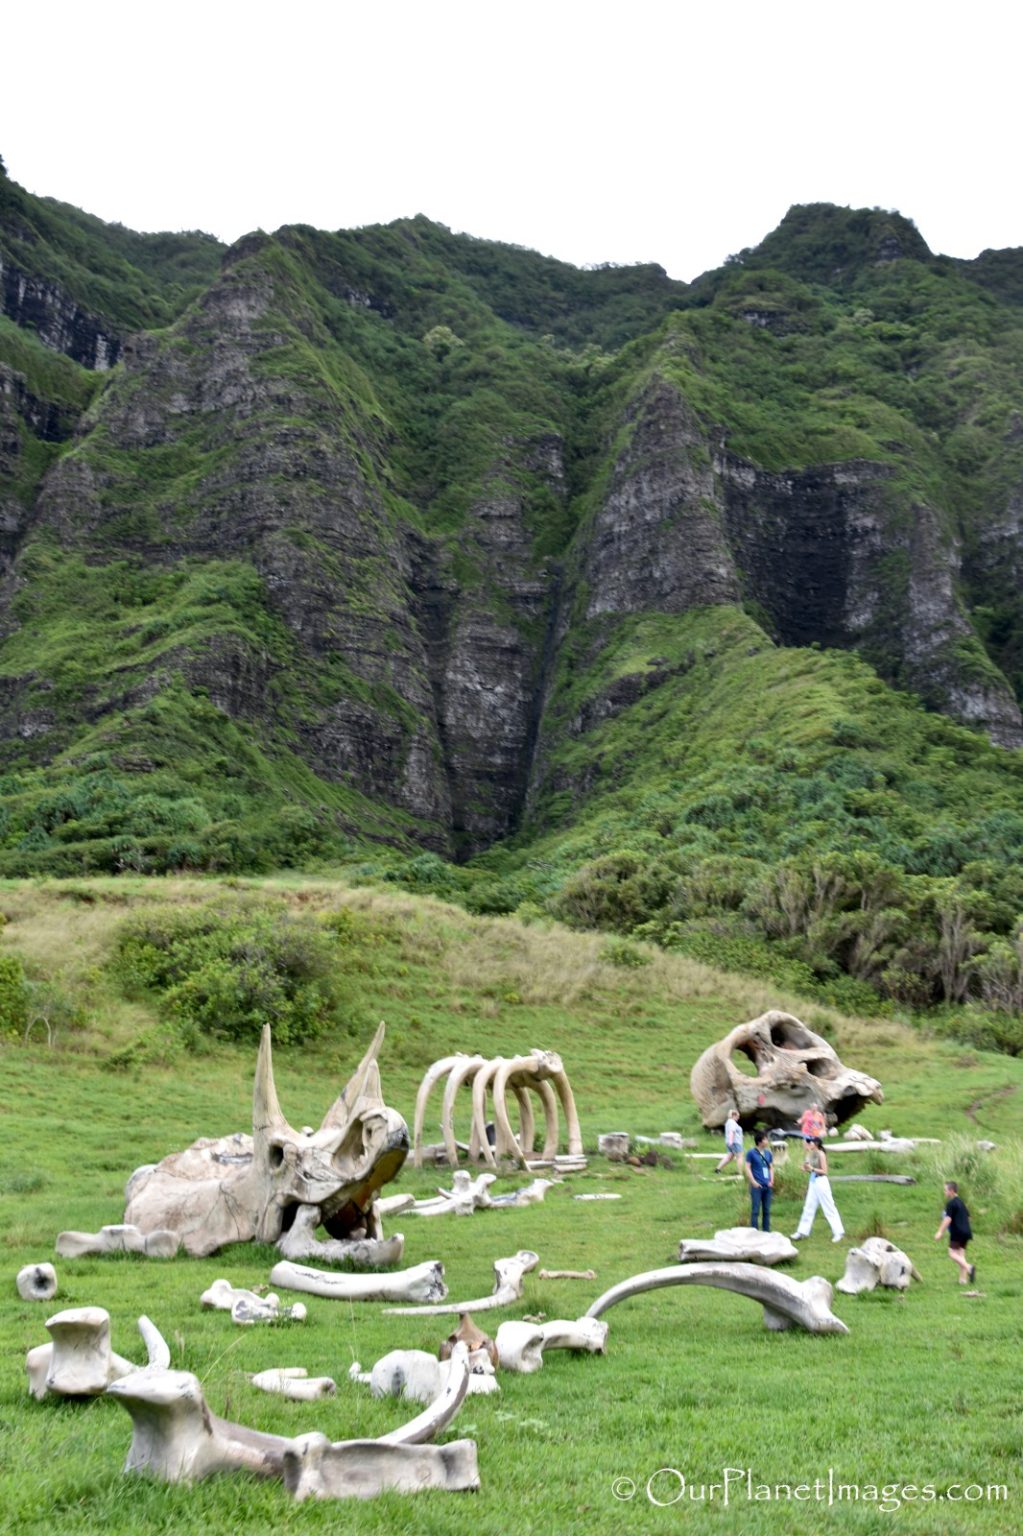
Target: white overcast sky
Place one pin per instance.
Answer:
(669, 132)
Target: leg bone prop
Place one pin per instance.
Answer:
(424, 1282)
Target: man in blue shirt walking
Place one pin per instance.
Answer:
(760, 1178)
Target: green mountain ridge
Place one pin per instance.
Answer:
(396, 536)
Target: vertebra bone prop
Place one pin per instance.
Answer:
(242, 1187)
(299, 1242)
(295, 1382)
(739, 1245)
(120, 1238)
(79, 1361)
(424, 1282)
(467, 1194)
(422, 1378)
(540, 1072)
(785, 1301)
(507, 1288)
(521, 1346)
(36, 1282)
(795, 1068)
(876, 1262)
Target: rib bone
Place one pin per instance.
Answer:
(507, 1288)
(785, 1301)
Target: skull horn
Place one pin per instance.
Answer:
(365, 1079)
(266, 1111)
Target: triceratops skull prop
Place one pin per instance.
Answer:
(243, 1187)
(794, 1069)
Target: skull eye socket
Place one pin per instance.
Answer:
(276, 1155)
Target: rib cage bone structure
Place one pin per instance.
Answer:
(540, 1072)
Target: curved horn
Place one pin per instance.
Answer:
(340, 1112)
(266, 1111)
(156, 1345)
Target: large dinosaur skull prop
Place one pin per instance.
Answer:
(243, 1187)
(785, 1068)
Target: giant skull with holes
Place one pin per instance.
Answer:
(771, 1070)
(242, 1187)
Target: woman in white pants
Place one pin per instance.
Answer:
(818, 1194)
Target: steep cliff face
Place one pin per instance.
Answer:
(60, 323)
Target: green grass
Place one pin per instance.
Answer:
(923, 1391)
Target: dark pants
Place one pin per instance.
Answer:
(760, 1200)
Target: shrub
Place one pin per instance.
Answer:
(14, 996)
(228, 969)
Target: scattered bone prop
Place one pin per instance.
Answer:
(876, 1262)
(243, 1187)
(121, 1238)
(420, 1377)
(794, 1069)
(79, 1361)
(521, 1346)
(295, 1382)
(222, 1295)
(472, 1337)
(176, 1438)
(529, 1194)
(36, 1282)
(246, 1307)
(785, 1301)
(539, 1072)
(299, 1242)
(467, 1194)
(614, 1144)
(424, 1282)
(739, 1245)
(567, 1274)
(401, 1460)
(508, 1279)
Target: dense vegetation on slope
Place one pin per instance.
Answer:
(598, 584)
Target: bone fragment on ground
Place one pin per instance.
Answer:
(79, 1360)
(423, 1282)
(418, 1376)
(222, 1296)
(300, 1242)
(508, 1274)
(266, 1310)
(876, 1262)
(392, 1205)
(294, 1381)
(786, 1302)
(119, 1238)
(614, 1144)
(738, 1244)
(472, 1337)
(36, 1282)
(567, 1274)
(597, 1197)
(795, 1068)
(529, 1194)
(241, 1187)
(467, 1194)
(175, 1436)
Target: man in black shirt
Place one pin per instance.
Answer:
(956, 1222)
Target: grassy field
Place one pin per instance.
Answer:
(924, 1391)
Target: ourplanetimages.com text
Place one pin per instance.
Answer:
(668, 1487)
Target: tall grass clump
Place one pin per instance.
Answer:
(993, 1177)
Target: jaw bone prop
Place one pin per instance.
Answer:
(299, 1242)
(541, 1072)
(175, 1437)
(520, 1346)
(786, 1302)
(508, 1276)
(794, 1069)
(80, 1362)
(242, 1187)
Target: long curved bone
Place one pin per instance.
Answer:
(79, 1361)
(745, 1245)
(430, 1080)
(521, 1346)
(463, 1070)
(876, 1262)
(36, 1282)
(508, 1279)
(241, 1187)
(119, 1238)
(424, 1282)
(299, 1242)
(295, 1382)
(539, 1072)
(785, 1301)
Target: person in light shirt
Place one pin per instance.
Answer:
(733, 1140)
(818, 1194)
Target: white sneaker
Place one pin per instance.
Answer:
(839, 1239)
(797, 1237)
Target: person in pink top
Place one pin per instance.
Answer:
(812, 1122)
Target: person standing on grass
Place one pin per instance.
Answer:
(818, 1194)
(956, 1222)
(733, 1140)
(759, 1166)
(812, 1121)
